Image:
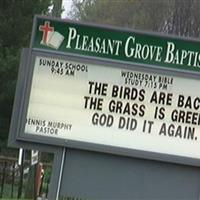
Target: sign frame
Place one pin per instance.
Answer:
(17, 139)
(24, 92)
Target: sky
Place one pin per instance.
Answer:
(67, 6)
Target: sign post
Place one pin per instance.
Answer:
(61, 173)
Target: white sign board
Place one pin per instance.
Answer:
(114, 106)
(34, 157)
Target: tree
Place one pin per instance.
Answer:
(16, 18)
(178, 17)
(126, 13)
(57, 8)
(107, 12)
(184, 18)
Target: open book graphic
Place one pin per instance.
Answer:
(54, 39)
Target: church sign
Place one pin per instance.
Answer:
(111, 90)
